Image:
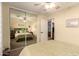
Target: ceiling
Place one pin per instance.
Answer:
(38, 8)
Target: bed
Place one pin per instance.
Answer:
(50, 48)
(21, 36)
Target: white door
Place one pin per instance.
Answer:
(43, 30)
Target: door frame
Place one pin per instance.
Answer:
(52, 25)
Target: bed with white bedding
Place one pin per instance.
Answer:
(19, 36)
(50, 48)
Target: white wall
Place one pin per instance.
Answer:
(63, 33)
(0, 28)
(6, 26)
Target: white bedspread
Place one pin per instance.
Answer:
(50, 48)
(18, 34)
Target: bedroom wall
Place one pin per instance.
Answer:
(63, 33)
(5, 27)
(0, 28)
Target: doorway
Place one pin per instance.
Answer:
(51, 29)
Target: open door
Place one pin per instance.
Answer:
(50, 29)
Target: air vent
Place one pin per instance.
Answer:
(36, 4)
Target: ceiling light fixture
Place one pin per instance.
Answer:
(50, 5)
(47, 5)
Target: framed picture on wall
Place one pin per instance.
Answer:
(73, 22)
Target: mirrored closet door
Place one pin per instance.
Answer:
(23, 28)
(17, 28)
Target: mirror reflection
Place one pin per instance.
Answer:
(22, 29)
